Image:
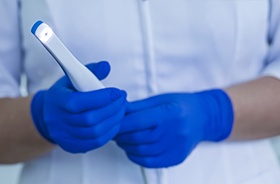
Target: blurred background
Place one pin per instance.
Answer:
(9, 174)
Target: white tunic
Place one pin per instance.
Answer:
(153, 46)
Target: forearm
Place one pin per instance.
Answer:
(19, 139)
(256, 108)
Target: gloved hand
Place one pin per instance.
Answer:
(79, 121)
(161, 131)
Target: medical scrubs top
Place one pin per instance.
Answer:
(154, 47)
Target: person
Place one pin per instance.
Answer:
(192, 95)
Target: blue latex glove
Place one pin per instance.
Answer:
(79, 121)
(161, 131)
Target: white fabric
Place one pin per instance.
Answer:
(10, 52)
(273, 57)
(156, 47)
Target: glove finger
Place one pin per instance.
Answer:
(63, 84)
(164, 142)
(79, 102)
(138, 121)
(94, 116)
(146, 136)
(97, 130)
(82, 146)
(101, 69)
(174, 156)
(144, 150)
(149, 118)
(147, 103)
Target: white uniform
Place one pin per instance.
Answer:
(153, 46)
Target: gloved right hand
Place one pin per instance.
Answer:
(79, 121)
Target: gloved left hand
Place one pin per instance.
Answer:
(161, 131)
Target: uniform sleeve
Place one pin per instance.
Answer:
(272, 65)
(10, 49)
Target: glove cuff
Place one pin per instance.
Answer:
(36, 109)
(220, 109)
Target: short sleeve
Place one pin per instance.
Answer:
(272, 65)
(10, 49)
